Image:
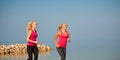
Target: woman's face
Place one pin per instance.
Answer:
(34, 25)
(64, 26)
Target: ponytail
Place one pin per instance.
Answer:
(59, 27)
(29, 26)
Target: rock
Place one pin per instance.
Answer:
(43, 48)
(49, 49)
(21, 49)
(2, 50)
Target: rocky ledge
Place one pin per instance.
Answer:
(22, 49)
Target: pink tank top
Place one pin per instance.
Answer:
(33, 37)
(63, 40)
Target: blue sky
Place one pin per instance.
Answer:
(94, 18)
(92, 23)
(91, 19)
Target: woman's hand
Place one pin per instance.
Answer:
(37, 42)
(57, 46)
(68, 40)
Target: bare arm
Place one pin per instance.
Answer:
(29, 33)
(68, 37)
(55, 39)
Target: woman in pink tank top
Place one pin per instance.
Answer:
(32, 40)
(64, 37)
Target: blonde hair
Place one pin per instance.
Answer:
(59, 27)
(29, 26)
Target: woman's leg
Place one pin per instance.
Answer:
(29, 51)
(35, 51)
(62, 53)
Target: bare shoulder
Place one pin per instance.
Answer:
(29, 32)
(58, 33)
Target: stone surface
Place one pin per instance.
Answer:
(22, 49)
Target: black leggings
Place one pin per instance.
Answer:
(62, 52)
(34, 50)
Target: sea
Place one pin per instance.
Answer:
(80, 49)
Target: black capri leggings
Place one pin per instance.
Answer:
(32, 50)
(62, 52)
